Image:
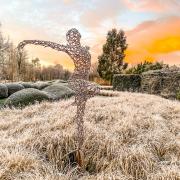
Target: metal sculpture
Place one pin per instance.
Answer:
(79, 79)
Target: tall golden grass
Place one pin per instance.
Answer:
(128, 137)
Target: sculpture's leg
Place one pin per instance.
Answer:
(81, 103)
(79, 155)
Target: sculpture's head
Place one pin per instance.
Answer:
(73, 37)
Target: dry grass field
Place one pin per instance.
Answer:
(128, 137)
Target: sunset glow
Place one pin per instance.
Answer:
(152, 27)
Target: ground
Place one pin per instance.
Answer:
(127, 137)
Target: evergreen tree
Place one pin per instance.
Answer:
(145, 66)
(111, 61)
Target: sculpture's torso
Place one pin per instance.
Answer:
(82, 61)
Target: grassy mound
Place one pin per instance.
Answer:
(14, 87)
(25, 97)
(130, 137)
(27, 84)
(60, 81)
(3, 91)
(41, 85)
(2, 102)
(59, 91)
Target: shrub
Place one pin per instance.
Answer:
(3, 91)
(60, 81)
(27, 84)
(41, 85)
(127, 82)
(14, 87)
(2, 102)
(26, 97)
(58, 91)
(145, 66)
(178, 95)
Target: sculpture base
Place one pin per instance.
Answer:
(76, 158)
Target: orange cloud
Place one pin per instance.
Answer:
(134, 56)
(165, 45)
(151, 40)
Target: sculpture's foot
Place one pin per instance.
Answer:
(76, 158)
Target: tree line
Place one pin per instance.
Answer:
(16, 68)
(110, 62)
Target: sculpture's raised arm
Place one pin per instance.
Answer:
(52, 45)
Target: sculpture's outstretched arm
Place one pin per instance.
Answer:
(52, 45)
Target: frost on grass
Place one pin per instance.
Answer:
(128, 137)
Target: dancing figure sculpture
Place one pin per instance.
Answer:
(79, 79)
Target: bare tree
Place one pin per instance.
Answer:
(4, 44)
(93, 71)
(15, 65)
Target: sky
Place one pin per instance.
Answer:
(152, 27)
